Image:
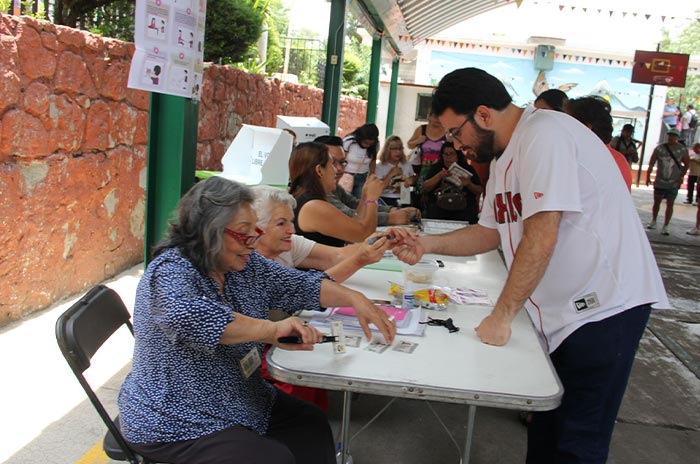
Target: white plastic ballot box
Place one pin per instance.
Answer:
(306, 128)
(258, 155)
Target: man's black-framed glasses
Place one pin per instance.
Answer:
(453, 134)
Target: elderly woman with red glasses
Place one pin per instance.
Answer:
(195, 393)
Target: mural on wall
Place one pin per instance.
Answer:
(577, 79)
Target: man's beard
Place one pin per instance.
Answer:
(484, 147)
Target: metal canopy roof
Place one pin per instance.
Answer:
(407, 22)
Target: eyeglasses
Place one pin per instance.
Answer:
(396, 148)
(247, 240)
(453, 133)
(340, 163)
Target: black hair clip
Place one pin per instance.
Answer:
(447, 323)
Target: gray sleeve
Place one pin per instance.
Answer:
(335, 201)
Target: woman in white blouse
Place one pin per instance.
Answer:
(394, 169)
(361, 147)
(275, 210)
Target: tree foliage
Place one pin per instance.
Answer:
(72, 12)
(688, 42)
(356, 61)
(232, 26)
(114, 20)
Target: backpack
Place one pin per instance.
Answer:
(693, 123)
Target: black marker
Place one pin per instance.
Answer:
(373, 240)
(298, 341)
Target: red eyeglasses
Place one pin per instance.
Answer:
(247, 240)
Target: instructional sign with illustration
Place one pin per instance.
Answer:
(169, 37)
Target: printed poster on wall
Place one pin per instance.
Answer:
(169, 39)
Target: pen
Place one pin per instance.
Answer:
(373, 240)
(298, 341)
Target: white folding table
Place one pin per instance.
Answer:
(449, 367)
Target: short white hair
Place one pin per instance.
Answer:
(266, 199)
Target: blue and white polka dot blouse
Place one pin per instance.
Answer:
(183, 383)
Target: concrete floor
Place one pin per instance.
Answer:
(45, 418)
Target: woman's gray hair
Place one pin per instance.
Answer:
(266, 199)
(202, 215)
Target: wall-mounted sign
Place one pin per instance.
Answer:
(660, 68)
(169, 39)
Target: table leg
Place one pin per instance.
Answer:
(470, 431)
(345, 427)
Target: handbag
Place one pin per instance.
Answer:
(451, 198)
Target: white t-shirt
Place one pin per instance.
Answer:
(301, 247)
(383, 169)
(685, 120)
(356, 156)
(602, 263)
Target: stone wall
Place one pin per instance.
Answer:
(231, 97)
(73, 154)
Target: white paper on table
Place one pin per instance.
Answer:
(413, 325)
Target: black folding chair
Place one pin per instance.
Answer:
(80, 332)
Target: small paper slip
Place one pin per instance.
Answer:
(467, 296)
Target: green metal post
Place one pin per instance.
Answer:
(393, 90)
(375, 63)
(333, 80)
(172, 149)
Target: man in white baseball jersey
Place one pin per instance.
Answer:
(578, 258)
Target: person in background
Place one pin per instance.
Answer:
(437, 179)
(312, 174)
(361, 147)
(594, 113)
(686, 121)
(673, 160)
(354, 207)
(294, 136)
(429, 137)
(626, 144)
(394, 170)
(275, 211)
(696, 230)
(558, 211)
(669, 118)
(195, 394)
(552, 99)
(693, 172)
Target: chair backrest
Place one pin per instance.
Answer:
(80, 331)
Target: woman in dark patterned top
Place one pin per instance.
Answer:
(195, 393)
(313, 178)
